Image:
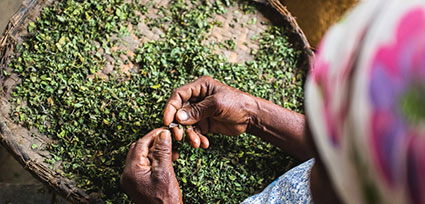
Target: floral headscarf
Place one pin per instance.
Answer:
(365, 102)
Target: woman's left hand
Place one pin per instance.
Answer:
(149, 175)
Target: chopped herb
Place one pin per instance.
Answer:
(93, 119)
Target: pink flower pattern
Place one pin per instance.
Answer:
(397, 96)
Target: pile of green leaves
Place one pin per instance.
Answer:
(93, 121)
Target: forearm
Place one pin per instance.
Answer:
(281, 127)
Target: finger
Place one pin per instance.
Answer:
(196, 89)
(193, 113)
(144, 161)
(130, 152)
(178, 133)
(193, 138)
(161, 150)
(178, 97)
(217, 126)
(169, 113)
(203, 126)
(150, 157)
(132, 158)
(140, 148)
(175, 156)
(205, 143)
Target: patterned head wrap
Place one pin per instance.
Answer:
(365, 102)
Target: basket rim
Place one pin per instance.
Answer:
(54, 180)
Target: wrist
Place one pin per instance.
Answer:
(253, 109)
(281, 127)
(269, 119)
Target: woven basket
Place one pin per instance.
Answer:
(316, 16)
(18, 140)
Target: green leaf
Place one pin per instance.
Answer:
(34, 146)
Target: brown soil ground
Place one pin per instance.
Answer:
(7, 9)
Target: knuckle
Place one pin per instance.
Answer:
(174, 94)
(161, 151)
(206, 78)
(132, 145)
(139, 143)
(195, 111)
(176, 90)
(215, 102)
(162, 176)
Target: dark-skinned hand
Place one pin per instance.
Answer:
(209, 106)
(149, 176)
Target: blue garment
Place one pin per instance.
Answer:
(291, 187)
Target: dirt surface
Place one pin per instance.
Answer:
(7, 9)
(11, 171)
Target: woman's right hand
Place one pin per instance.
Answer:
(209, 106)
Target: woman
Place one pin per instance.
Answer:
(364, 124)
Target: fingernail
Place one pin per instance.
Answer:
(196, 143)
(182, 115)
(164, 135)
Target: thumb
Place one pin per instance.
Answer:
(161, 150)
(193, 113)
